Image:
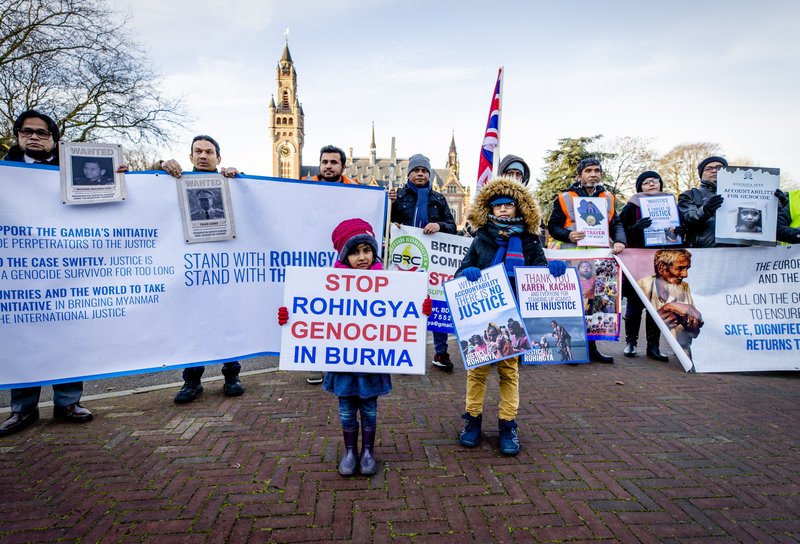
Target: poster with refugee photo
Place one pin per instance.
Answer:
(439, 255)
(552, 310)
(591, 217)
(599, 278)
(206, 209)
(482, 311)
(346, 320)
(749, 213)
(88, 173)
(663, 212)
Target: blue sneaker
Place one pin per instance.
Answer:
(471, 433)
(509, 441)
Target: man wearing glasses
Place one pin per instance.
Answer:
(37, 135)
(698, 206)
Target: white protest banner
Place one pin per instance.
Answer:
(481, 310)
(110, 289)
(599, 278)
(439, 255)
(591, 218)
(749, 213)
(663, 211)
(345, 320)
(552, 309)
(723, 309)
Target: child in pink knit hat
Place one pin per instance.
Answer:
(354, 241)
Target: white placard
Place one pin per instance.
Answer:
(344, 320)
(591, 218)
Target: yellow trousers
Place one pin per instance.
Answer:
(508, 369)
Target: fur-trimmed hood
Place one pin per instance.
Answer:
(526, 205)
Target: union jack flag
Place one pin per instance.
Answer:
(491, 139)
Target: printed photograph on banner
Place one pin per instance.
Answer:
(439, 255)
(591, 217)
(88, 173)
(348, 320)
(484, 311)
(599, 279)
(723, 309)
(749, 213)
(206, 209)
(552, 310)
(663, 211)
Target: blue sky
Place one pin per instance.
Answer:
(677, 72)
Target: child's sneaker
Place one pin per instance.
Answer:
(442, 361)
(471, 433)
(509, 441)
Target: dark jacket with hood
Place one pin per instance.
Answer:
(558, 219)
(484, 247)
(508, 159)
(15, 154)
(405, 205)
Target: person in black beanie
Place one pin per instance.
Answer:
(698, 206)
(649, 183)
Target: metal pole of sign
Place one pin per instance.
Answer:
(388, 218)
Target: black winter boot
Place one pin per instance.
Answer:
(368, 465)
(349, 463)
(595, 355)
(189, 392)
(653, 339)
(232, 386)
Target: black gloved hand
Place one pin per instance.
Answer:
(783, 198)
(713, 204)
(680, 230)
(643, 223)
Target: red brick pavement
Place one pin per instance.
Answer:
(638, 451)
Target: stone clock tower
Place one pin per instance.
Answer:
(286, 121)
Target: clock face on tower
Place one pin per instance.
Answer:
(285, 151)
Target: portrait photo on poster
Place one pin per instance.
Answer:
(92, 171)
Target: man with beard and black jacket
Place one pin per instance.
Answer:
(418, 205)
(561, 226)
(37, 137)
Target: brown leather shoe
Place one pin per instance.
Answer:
(74, 413)
(18, 421)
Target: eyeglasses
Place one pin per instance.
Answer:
(41, 133)
(505, 205)
(654, 181)
(713, 168)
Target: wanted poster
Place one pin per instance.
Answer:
(206, 209)
(89, 173)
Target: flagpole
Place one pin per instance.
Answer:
(496, 156)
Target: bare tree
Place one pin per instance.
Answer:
(625, 159)
(74, 60)
(678, 168)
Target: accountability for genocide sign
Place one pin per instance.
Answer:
(343, 320)
(107, 289)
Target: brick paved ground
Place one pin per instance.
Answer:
(633, 452)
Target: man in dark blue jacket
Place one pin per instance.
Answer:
(418, 205)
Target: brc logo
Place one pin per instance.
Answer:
(406, 260)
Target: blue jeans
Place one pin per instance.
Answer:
(439, 342)
(350, 406)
